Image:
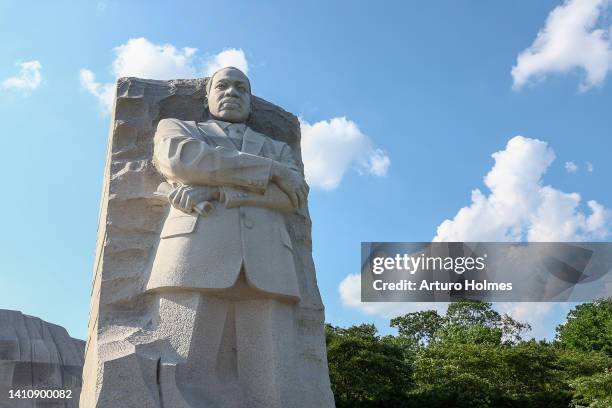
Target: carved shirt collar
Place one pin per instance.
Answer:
(224, 125)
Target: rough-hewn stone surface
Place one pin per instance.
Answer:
(37, 355)
(124, 321)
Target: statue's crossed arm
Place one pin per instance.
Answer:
(199, 173)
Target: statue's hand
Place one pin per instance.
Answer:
(292, 184)
(186, 197)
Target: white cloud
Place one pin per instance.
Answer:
(523, 311)
(141, 58)
(230, 57)
(557, 219)
(571, 167)
(520, 207)
(105, 93)
(574, 37)
(590, 167)
(28, 80)
(379, 163)
(331, 147)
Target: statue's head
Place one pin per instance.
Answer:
(229, 95)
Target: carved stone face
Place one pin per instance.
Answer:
(229, 96)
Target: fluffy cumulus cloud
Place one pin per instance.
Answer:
(575, 36)
(331, 147)
(141, 58)
(571, 167)
(517, 207)
(520, 207)
(28, 79)
(230, 57)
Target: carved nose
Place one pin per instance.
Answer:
(231, 91)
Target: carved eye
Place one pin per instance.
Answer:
(220, 86)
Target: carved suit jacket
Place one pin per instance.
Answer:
(208, 253)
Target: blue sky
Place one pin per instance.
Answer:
(425, 88)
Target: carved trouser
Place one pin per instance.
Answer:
(231, 349)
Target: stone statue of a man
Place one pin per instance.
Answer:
(224, 272)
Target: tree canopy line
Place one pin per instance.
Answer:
(474, 357)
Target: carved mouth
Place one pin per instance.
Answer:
(231, 104)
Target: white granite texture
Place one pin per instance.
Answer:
(36, 355)
(151, 348)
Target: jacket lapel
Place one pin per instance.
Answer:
(252, 141)
(214, 132)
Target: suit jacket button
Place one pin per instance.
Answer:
(248, 224)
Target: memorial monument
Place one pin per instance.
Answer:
(204, 291)
(40, 364)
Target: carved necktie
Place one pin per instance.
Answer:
(235, 133)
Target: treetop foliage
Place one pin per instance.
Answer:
(472, 356)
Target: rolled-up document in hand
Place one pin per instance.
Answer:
(164, 189)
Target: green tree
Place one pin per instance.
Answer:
(418, 328)
(459, 375)
(474, 357)
(455, 372)
(588, 327)
(366, 370)
(579, 363)
(534, 375)
(465, 321)
(470, 313)
(585, 343)
(593, 392)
